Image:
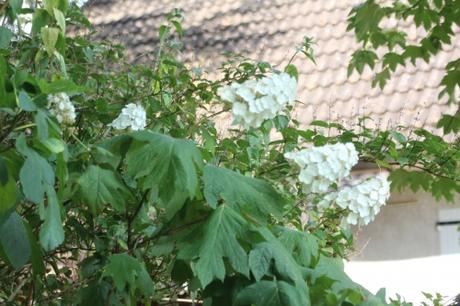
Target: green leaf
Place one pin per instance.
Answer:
(166, 165)
(128, 271)
(450, 123)
(54, 145)
(217, 239)
(60, 19)
(50, 36)
(36, 256)
(415, 180)
(100, 186)
(333, 268)
(444, 188)
(39, 20)
(25, 102)
(14, 241)
(241, 192)
(8, 196)
(36, 173)
(16, 6)
(271, 293)
(303, 246)
(51, 232)
(260, 260)
(5, 37)
(58, 86)
(41, 120)
(292, 71)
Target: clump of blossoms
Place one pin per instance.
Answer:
(364, 200)
(132, 116)
(62, 108)
(257, 100)
(320, 167)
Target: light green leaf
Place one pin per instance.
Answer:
(60, 19)
(241, 192)
(14, 241)
(166, 165)
(128, 271)
(100, 186)
(54, 145)
(51, 232)
(217, 239)
(50, 36)
(8, 191)
(39, 20)
(271, 293)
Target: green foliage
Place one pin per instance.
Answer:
(90, 215)
(436, 18)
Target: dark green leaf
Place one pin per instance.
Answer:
(166, 165)
(14, 241)
(100, 186)
(271, 293)
(245, 193)
(128, 271)
(218, 239)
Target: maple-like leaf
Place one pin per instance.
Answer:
(215, 240)
(247, 194)
(166, 165)
(102, 186)
(128, 271)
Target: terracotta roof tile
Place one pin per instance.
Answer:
(268, 30)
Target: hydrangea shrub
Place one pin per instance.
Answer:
(116, 187)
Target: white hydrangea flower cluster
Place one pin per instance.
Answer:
(364, 200)
(132, 116)
(320, 167)
(79, 3)
(257, 100)
(62, 108)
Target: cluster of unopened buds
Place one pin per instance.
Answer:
(255, 101)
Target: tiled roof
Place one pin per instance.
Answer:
(269, 30)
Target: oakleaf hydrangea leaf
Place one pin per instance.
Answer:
(128, 271)
(101, 186)
(271, 293)
(219, 240)
(166, 165)
(241, 192)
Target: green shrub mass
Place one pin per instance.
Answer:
(92, 215)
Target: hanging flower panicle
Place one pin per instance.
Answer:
(132, 116)
(320, 167)
(257, 100)
(62, 108)
(364, 200)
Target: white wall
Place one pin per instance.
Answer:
(405, 228)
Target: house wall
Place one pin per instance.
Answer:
(405, 228)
